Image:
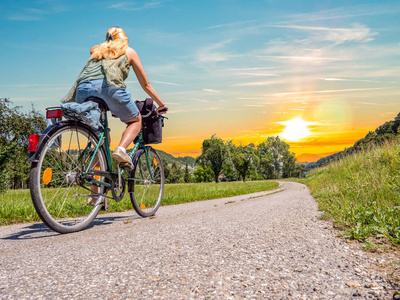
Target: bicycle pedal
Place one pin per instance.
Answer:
(126, 166)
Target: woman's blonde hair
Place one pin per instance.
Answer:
(115, 45)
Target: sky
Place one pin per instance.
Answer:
(241, 70)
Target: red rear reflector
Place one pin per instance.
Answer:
(55, 113)
(33, 141)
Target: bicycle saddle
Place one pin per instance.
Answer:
(102, 105)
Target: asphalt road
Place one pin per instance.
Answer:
(268, 245)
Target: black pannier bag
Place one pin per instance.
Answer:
(152, 123)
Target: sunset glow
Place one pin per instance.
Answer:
(295, 130)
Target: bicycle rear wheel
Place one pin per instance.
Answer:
(60, 188)
(146, 182)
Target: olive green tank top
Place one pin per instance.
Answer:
(115, 71)
(94, 70)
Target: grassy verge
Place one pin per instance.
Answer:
(361, 194)
(16, 205)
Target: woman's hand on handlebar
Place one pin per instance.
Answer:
(162, 109)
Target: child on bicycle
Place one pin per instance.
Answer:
(103, 77)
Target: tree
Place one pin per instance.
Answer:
(213, 153)
(187, 177)
(300, 170)
(167, 169)
(289, 164)
(203, 173)
(15, 128)
(266, 161)
(176, 173)
(244, 157)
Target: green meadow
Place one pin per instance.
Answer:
(16, 205)
(361, 194)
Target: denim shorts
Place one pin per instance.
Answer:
(119, 100)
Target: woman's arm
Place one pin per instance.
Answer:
(134, 61)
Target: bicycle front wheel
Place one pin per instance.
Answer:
(146, 182)
(60, 188)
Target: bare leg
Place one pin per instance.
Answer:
(131, 131)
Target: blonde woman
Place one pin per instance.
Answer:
(103, 77)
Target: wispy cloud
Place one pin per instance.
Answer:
(352, 80)
(167, 83)
(211, 91)
(372, 103)
(305, 58)
(342, 13)
(259, 83)
(213, 53)
(137, 5)
(199, 100)
(358, 33)
(36, 14)
(250, 69)
(328, 91)
(233, 24)
(258, 74)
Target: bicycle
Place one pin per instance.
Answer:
(71, 164)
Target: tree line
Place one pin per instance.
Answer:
(223, 160)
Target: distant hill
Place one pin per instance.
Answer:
(171, 159)
(383, 133)
(308, 157)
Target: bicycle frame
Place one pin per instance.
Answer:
(104, 137)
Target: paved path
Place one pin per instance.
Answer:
(265, 245)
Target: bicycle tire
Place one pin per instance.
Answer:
(57, 196)
(146, 185)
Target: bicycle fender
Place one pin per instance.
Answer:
(44, 135)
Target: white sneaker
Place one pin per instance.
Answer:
(122, 157)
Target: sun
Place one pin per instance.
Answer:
(296, 129)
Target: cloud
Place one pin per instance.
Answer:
(233, 24)
(199, 100)
(352, 80)
(167, 83)
(211, 91)
(328, 91)
(358, 33)
(258, 74)
(250, 69)
(324, 91)
(37, 14)
(194, 109)
(304, 58)
(259, 83)
(212, 53)
(371, 103)
(343, 13)
(137, 5)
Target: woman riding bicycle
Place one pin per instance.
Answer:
(103, 77)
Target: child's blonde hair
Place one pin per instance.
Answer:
(115, 45)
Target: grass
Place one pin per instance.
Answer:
(16, 205)
(361, 194)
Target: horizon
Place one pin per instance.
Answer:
(320, 74)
